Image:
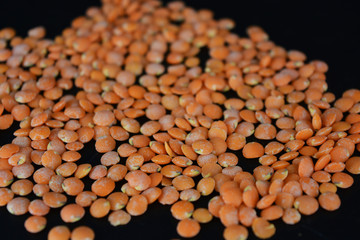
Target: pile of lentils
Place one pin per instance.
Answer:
(171, 126)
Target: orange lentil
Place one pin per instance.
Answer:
(105, 144)
(321, 176)
(291, 216)
(202, 215)
(100, 208)
(327, 187)
(183, 182)
(329, 201)
(35, 224)
(202, 147)
(22, 187)
(206, 186)
(190, 195)
(262, 228)
(72, 213)
(246, 215)
(250, 196)
(66, 169)
(103, 186)
(137, 205)
(342, 180)
(152, 194)
(272, 213)
(85, 198)
(59, 233)
(38, 208)
(119, 217)
(235, 232)
(6, 178)
(353, 165)
(273, 148)
(54, 200)
(169, 195)
(182, 210)
(188, 228)
(253, 150)
(306, 205)
(8, 150)
(82, 232)
(210, 169)
(265, 132)
(266, 201)
(138, 180)
(18, 205)
(236, 141)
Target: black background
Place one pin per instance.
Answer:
(321, 29)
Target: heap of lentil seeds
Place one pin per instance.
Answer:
(141, 85)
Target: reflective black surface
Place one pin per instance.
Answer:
(322, 30)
